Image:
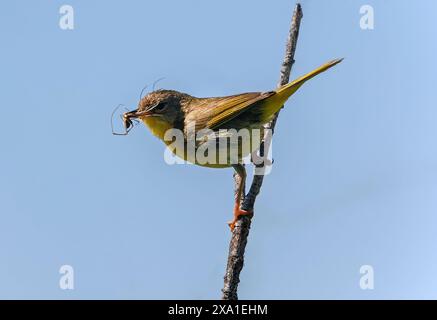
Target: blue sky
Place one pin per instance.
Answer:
(354, 180)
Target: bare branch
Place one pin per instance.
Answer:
(240, 234)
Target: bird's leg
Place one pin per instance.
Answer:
(241, 171)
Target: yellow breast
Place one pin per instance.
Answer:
(157, 126)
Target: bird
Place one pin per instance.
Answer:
(164, 111)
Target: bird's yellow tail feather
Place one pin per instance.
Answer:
(284, 92)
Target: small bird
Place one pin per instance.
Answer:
(164, 110)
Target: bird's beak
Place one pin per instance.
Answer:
(135, 114)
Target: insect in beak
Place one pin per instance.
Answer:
(127, 122)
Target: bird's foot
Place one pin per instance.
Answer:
(237, 214)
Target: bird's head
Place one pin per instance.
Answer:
(159, 110)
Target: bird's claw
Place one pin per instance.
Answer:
(237, 214)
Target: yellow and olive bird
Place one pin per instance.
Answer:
(164, 110)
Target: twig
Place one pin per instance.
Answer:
(238, 241)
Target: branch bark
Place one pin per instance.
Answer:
(237, 245)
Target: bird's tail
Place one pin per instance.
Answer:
(284, 92)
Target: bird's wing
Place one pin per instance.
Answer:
(214, 112)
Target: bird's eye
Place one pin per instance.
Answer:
(161, 106)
